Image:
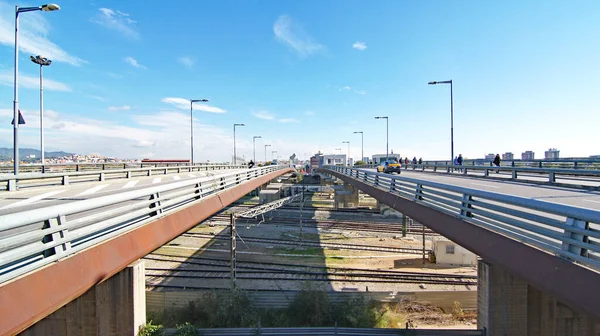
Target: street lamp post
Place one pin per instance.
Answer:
(348, 158)
(387, 135)
(234, 149)
(362, 145)
(451, 116)
(192, 101)
(254, 146)
(42, 61)
(266, 152)
(45, 8)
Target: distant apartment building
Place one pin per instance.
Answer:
(551, 154)
(508, 156)
(490, 156)
(366, 159)
(528, 155)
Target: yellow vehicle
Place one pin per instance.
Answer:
(389, 166)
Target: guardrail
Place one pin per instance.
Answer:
(13, 183)
(565, 231)
(568, 163)
(514, 173)
(33, 238)
(83, 166)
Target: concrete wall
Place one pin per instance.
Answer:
(461, 256)
(507, 305)
(114, 307)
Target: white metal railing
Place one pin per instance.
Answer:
(33, 238)
(13, 183)
(515, 173)
(566, 231)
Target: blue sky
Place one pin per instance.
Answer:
(304, 75)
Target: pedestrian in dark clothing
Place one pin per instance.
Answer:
(251, 164)
(460, 161)
(497, 162)
(414, 160)
(420, 160)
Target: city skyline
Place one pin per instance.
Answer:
(306, 82)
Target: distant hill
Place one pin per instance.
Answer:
(7, 153)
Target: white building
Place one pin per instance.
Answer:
(449, 253)
(378, 158)
(551, 153)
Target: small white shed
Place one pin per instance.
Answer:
(448, 252)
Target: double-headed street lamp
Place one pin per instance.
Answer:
(348, 158)
(254, 146)
(234, 149)
(387, 135)
(42, 61)
(192, 101)
(362, 145)
(45, 8)
(266, 152)
(451, 117)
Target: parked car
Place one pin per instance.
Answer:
(389, 166)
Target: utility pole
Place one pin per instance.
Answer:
(232, 251)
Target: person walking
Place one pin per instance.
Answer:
(497, 162)
(455, 162)
(460, 161)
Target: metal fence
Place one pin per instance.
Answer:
(33, 238)
(566, 231)
(83, 166)
(579, 177)
(332, 331)
(13, 183)
(571, 163)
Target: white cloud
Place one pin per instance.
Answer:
(292, 35)
(116, 20)
(309, 113)
(359, 45)
(184, 104)
(289, 120)
(188, 62)
(119, 108)
(33, 82)
(34, 30)
(345, 88)
(133, 62)
(265, 115)
(361, 92)
(96, 97)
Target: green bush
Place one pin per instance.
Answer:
(356, 313)
(310, 308)
(186, 330)
(150, 329)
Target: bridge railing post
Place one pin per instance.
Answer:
(102, 176)
(198, 190)
(11, 185)
(156, 204)
(53, 224)
(580, 224)
(514, 173)
(551, 177)
(65, 180)
(467, 203)
(419, 192)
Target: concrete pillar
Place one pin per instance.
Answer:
(501, 301)
(346, 196)
(114, 307)
(507, 305)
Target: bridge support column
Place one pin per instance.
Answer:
(346, 196)
(114, 307)
(507, 305)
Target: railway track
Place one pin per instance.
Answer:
(311, 244)
(195, 268)
(390, 228)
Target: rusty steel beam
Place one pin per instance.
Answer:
(29, 298)
(570, 283)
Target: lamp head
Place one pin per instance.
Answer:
(50, 7)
